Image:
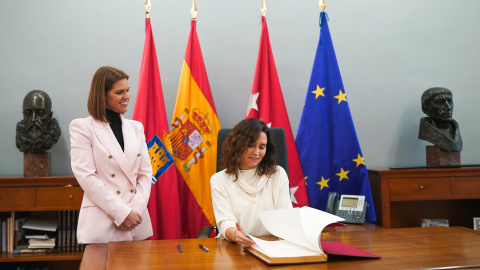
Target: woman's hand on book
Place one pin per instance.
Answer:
(236, 235)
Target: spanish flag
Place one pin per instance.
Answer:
(163, 205)
(193, 137)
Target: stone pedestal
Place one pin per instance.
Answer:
(36, 164)
(439, 157)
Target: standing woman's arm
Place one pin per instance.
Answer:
(144, 177)
(85, 171)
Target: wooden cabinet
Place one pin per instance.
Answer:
(12, 199)
(402, 198)
(40, 196)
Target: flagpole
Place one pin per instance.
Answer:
(263, 8)
(194, 10)
(148, 5)
(322, 5)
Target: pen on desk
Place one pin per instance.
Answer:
(179, 248)
(203, 247)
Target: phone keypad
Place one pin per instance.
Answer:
(351, 216)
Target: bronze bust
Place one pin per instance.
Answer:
(38, 131)
(439, 128)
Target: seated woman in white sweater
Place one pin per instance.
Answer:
(251, 182)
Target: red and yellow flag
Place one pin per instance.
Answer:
(149, 109)
(193, 137)
(266, 103)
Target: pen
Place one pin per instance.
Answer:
(179, 248)
(203, 247)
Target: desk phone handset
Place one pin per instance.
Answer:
(350, 207)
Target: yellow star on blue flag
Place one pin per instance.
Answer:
(341, 97)
(318, 92)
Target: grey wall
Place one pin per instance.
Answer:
(389, 52)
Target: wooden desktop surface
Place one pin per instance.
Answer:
(406, 248)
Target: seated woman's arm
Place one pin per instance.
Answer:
(236, 235)
(227, 224)
(282, 198)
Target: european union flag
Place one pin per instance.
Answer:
(327, 144)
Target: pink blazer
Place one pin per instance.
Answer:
(114, 181)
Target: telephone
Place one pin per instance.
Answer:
(350, 207)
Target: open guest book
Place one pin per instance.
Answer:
(299, 230)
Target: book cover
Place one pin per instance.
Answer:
(74, 230)
(8, 239)
(3, 245)
(49, 225)
(11, 233)
(300, 232)
(68, 244)
(59, 230)
(64, 231)
(284, 252)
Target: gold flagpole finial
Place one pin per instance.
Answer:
(148, 5)
(322, 5)
(263, 8)
(194, 10)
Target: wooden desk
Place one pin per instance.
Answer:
(407, 248)
(402, 198)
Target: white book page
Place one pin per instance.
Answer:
(301, 226)
(281, 248)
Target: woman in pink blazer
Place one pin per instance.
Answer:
(110, 162)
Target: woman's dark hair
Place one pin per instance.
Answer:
(102, 82)
(245, 133)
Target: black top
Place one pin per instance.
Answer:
(116, 126)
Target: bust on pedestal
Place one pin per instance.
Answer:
(439, 128)
(36, 133)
